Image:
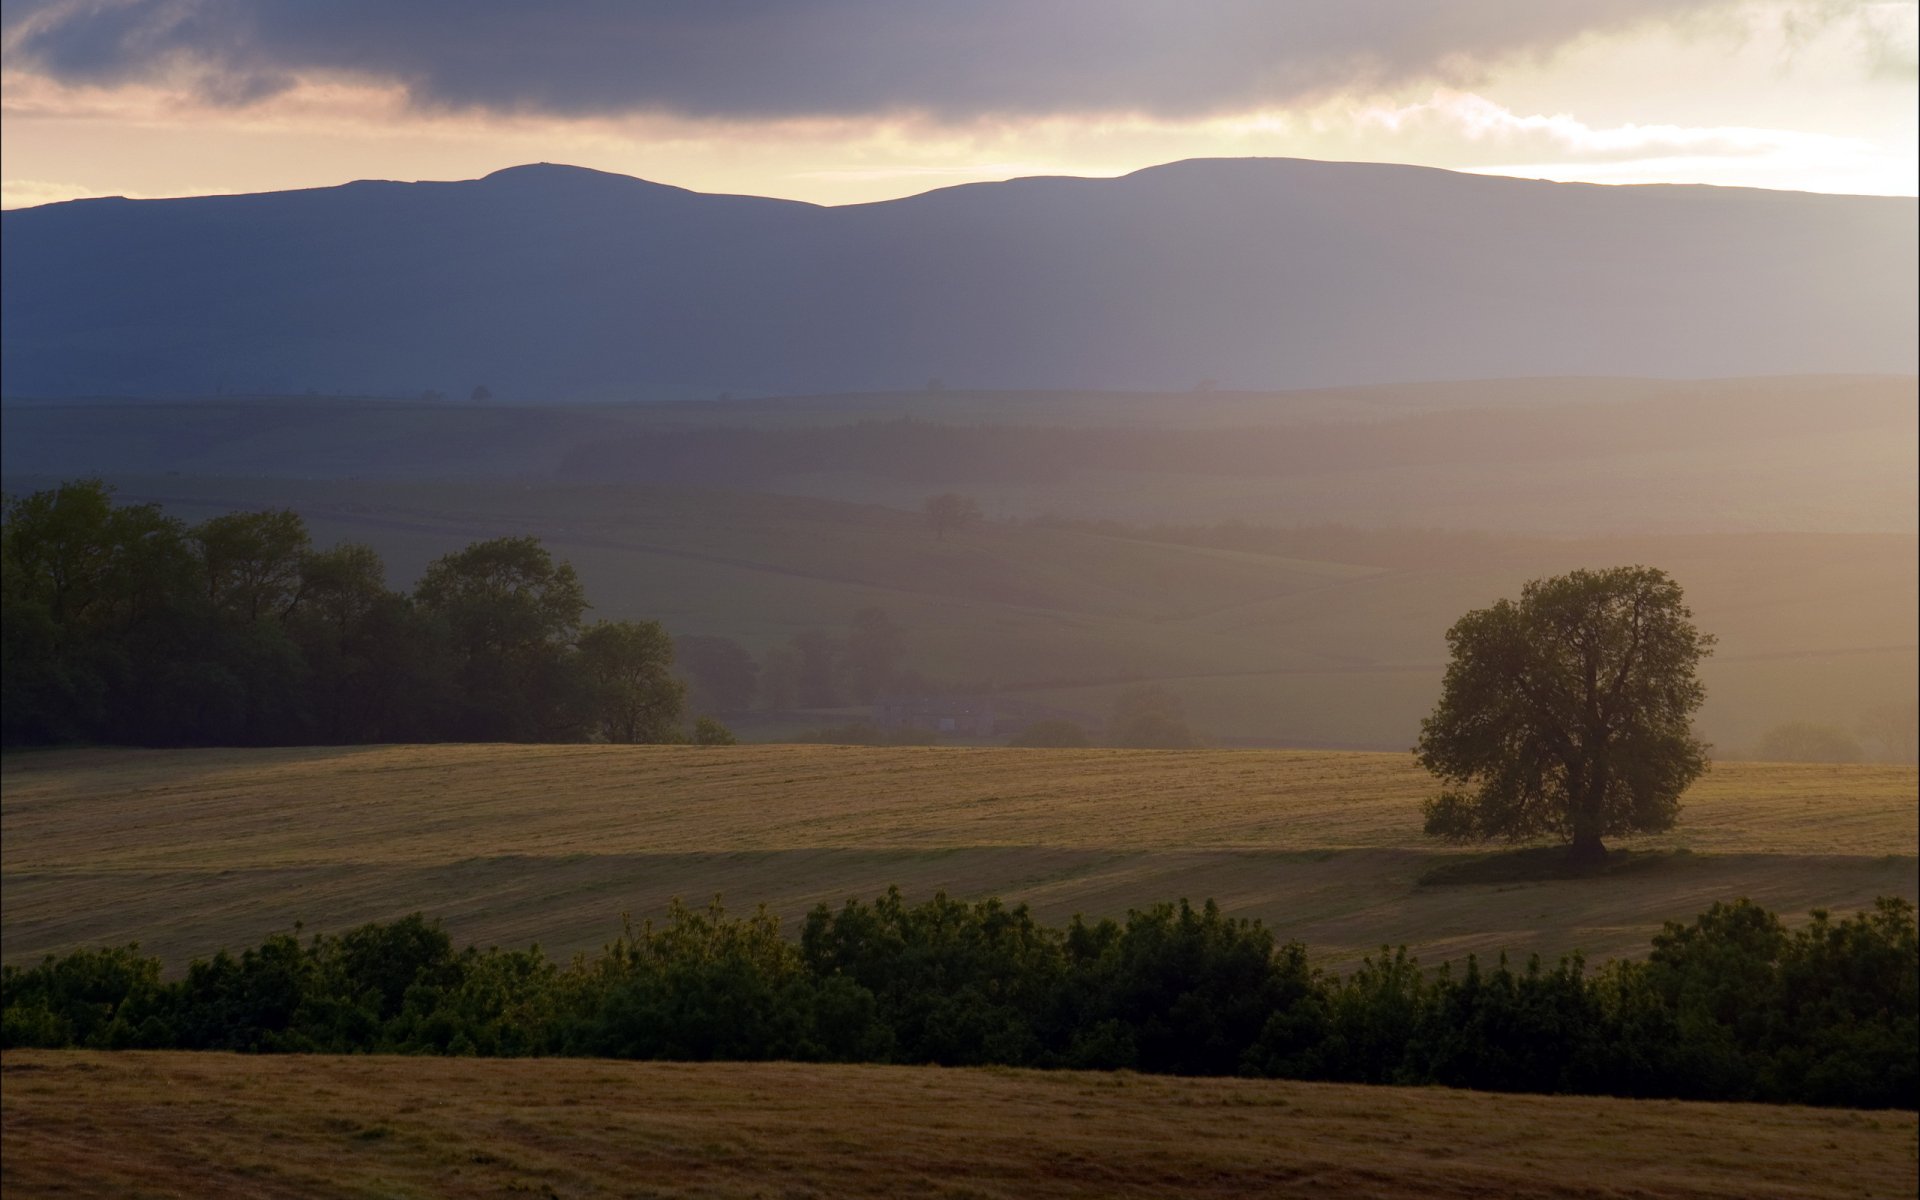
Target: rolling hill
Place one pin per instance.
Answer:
(189, 851)
(218, 1125)
(1830, 454)
(1334, 645)
(548, 282)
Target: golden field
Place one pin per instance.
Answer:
(189, 851)
(216, 1125)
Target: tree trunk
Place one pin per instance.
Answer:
(1589, 798)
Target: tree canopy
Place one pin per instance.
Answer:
(123, 624)
(1568, 713)
(633, 695)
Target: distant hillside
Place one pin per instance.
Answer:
(1592, 456)
(549, 282)
(1319, 640)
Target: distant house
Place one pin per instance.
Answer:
(959, 715)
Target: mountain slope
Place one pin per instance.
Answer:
(550, 282)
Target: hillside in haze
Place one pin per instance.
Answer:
(548, 282)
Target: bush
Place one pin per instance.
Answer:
(709, 732)
(1733, 1006)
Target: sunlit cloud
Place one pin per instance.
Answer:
(1481, 122)
(1478, 134)
(115, 100)
(24, 193)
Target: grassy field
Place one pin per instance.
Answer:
(188, 851)
(210, 1125)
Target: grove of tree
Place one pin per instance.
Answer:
(121, 624)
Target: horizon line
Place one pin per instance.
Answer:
(1490, 173)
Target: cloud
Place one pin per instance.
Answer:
(1885, 33)
(1492, 128)
(26, 193)
(758, 59)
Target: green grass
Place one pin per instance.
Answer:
(189, 851)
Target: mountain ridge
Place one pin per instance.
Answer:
(551, 282)
(547, 169)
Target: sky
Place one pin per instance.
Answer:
(842, 101)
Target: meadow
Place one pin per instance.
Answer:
(188, 851)
(214, 1125)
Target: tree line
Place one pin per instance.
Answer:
(1732, 1006)
(119, 623)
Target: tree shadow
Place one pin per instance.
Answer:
(1540, 864)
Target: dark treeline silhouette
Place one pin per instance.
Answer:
(125, 625)
(1731, 1007)
(122, 624)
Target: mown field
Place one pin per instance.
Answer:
(189, 851)
(213, 1125)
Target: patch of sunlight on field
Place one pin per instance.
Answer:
(189, 851)
(409, 804)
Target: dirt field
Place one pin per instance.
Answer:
(210, 1125)
(189, 851)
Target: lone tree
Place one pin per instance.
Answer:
(1568, 713)
(950, 510)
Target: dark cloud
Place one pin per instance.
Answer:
(760, 58)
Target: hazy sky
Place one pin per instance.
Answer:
(847, 100)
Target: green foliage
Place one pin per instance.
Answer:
(511, 612)
(1733, 1006)
(120, 624)
(632, 694)
(709, 732)
(1568, 713)
(253, 562)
